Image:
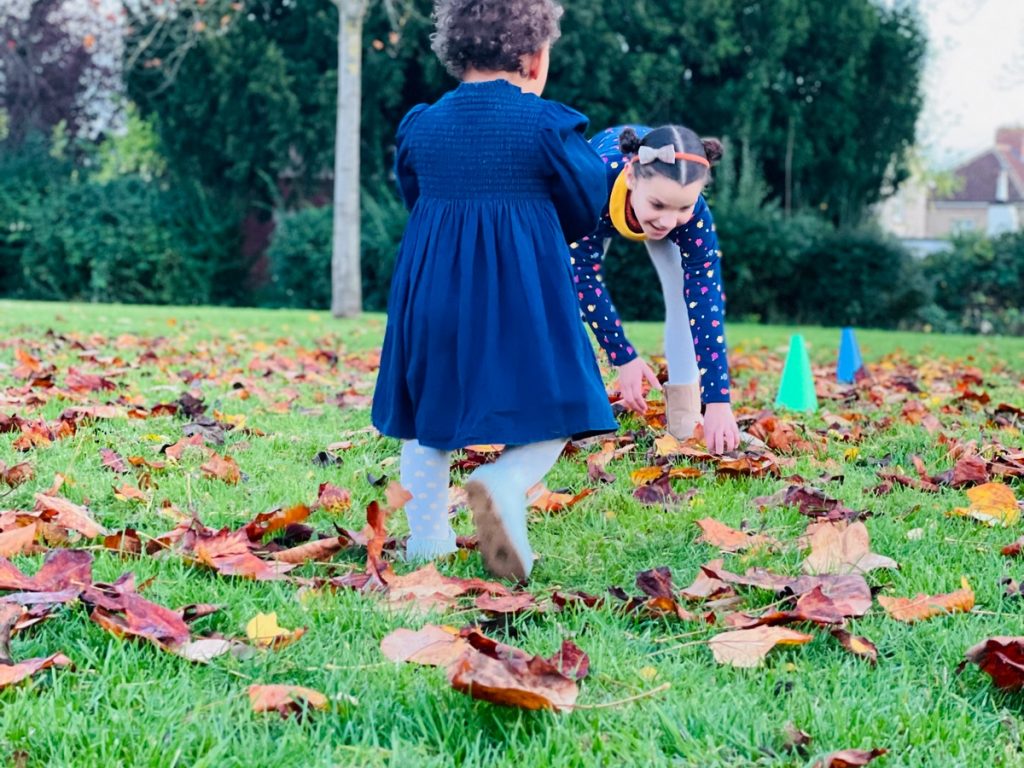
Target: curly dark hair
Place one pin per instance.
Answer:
(684, 140)
(492, 35)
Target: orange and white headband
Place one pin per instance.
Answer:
(668, 154)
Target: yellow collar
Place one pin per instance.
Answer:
(617, 202)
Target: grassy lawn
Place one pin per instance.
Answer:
(127, 703)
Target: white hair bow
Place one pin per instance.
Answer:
(666, 154)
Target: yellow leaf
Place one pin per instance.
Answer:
(648, 673)
(992, 504)
(264, 632)
(646, 475)
(667, 446)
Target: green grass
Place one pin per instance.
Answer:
(129, 704)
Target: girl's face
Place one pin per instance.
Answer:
(661, 204)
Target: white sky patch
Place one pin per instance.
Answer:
(974, 78)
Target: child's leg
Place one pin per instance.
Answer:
(682, 392)
(497, 496)
(679, 352)
(425, 476)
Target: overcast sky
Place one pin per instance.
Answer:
(975, 75)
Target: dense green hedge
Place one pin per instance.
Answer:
(69, 235)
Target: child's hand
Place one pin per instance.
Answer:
(720, 431)
(630, 383)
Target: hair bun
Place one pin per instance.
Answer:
(629, 142)
(713, 149)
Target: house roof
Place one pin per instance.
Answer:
(980, 175)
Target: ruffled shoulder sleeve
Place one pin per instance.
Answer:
(577, 172)
(405, 172)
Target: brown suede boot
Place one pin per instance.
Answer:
(682, 409)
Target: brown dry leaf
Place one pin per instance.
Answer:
(848, 593)
(971, 470)
(426, 588)
(597, 463)
(729, 539)
(571, 660)
(66, 514)
(222, 468)
(126, 542)
(18, 541)
(857, 645)
(113, 461)
(513, 604)
(175, 452)
(320, 550)
(1002, 659)
(508, 676)
(849, 758)
(230, 554)
(15, 673)
(841, 548)
(748, 647)
(331, 498)
(264, 632)
(921, 607)
(992, 504)
(62, 569)
(119, 609)
(16, 475)
(267, 523)
(706, 585)
(285, 699)
(432, 645)
(1014, 548)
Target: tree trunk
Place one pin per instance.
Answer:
(346, 280)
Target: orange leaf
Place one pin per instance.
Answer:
(285, 699)
(12, 674)
(321, 550)
(267, 523)
(18, 541)
(545, 500)
(729, 539)
(924, 606)
(128, 492)
(222, 468)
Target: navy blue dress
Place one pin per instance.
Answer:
(484, 342)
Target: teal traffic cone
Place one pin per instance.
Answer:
(796, 391)
(850, 364)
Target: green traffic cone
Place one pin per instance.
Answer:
(796, 391)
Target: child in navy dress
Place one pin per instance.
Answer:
(654, 180)
(483, 341)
